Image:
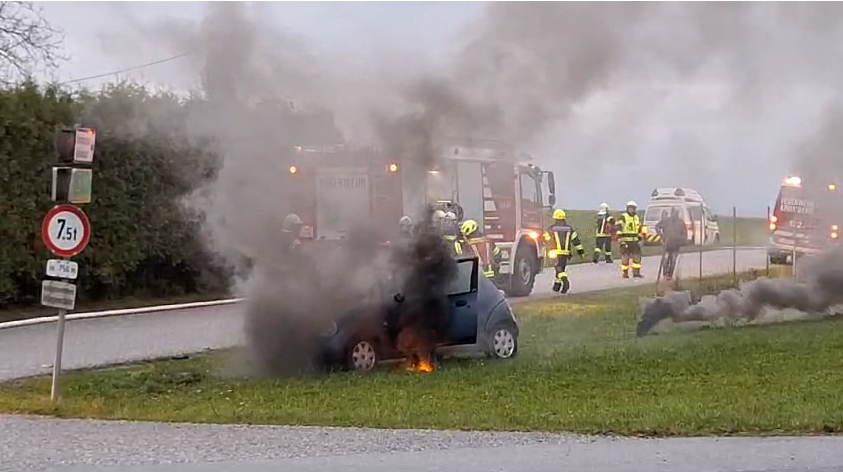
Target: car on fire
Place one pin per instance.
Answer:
(480, 319)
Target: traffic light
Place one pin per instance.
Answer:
(71, 179)
(76, 146)
(72, 185)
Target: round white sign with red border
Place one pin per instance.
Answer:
(66, 230)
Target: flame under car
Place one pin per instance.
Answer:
(479, 320)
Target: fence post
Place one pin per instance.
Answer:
(767, 256)
(735, 246)
(701, 233)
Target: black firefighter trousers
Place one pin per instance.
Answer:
(602, 245)
(561, 282)
(671, 252)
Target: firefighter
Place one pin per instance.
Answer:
(629, 235)
(290, 231)
(674, 234)
(405, 225)
(562, 237)
(603, 232)
(452, 233)
(482, 247)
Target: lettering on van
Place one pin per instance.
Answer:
(797, 205)
(342, 182)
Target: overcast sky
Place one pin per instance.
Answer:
(685, 140)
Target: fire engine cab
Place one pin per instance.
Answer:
(334, 188)
(806, 219)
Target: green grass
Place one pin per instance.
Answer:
(27, 312)
(742, 231)
(580, 369)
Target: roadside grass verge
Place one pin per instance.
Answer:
(580, 369)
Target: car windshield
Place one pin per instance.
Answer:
(657, 212)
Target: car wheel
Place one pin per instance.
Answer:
(523, 276)
(503, 343)
(362, 355)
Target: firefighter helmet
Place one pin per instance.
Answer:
(450, 217)
(468, 227)
(291, 222)
(559, 214)
(632, 204)
(438, 216)
(604, 207)
(405, 222)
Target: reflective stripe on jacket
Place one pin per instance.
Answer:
(562, 236)
(629, 228)
(605, 224)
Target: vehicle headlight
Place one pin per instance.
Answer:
(330, 330)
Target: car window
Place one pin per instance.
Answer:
(709, 215)
(696, 213)
(657, 212)
(462, 282)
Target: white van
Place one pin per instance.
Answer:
(703, 228)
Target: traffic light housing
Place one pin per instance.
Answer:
(71, 178)
(75, 146)
(72, 185)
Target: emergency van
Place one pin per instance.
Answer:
(805, 219)
(333, 188)
(702, 224)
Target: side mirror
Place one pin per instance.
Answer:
(551, 183)
(551, 199)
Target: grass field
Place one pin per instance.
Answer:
(580, 369)
(743, 231)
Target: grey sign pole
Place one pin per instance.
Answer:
(55, 386)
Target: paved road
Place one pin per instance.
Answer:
(81, 445)
(29, 350)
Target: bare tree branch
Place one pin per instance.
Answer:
(27, 41)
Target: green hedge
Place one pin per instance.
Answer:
(142, 243)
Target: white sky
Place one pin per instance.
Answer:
(684, 143)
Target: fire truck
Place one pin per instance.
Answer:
(806, 219)
(335, 188)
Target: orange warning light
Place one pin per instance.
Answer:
(293, 169)
(393, 167)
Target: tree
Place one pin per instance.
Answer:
(27, 40)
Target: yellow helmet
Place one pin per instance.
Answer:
(559, 214)
(468, 227)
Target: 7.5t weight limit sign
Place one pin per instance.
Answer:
(66, 230)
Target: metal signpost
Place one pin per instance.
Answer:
(66, 230)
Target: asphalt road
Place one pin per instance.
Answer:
(83, 445)
(29, 350)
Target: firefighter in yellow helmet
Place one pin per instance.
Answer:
(562, 238)
(478, 244)
(629, 235)
(603, 234)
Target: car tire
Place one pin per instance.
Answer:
(523, 276)
(502, 342)
(362, 355)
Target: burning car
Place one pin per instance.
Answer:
(479, 319)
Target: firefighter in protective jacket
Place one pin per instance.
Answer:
(603, 234)
(629, 235)
(452, 233)
(481, 246)
(562, 238)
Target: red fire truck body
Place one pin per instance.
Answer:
(806, 219)
(335, 188)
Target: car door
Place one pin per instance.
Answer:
(462, 303)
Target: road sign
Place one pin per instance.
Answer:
(62, 269)
(61, 295)
(72, 185)
(66, 230)
(76, 145)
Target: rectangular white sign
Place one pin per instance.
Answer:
(61, 295)
(85, 142)
(62, 269)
